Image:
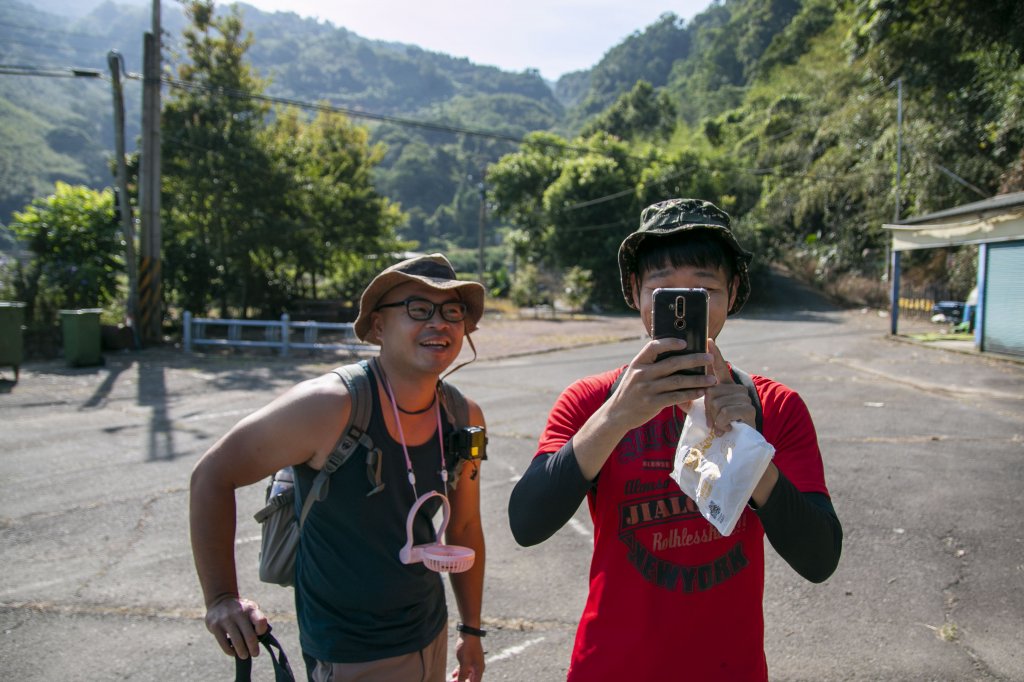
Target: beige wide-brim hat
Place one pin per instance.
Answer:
(433, 270)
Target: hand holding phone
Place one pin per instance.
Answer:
(682, 314)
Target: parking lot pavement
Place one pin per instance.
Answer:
(922, 449)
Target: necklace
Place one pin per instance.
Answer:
(415, 412)
(401, 437)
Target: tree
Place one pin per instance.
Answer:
(963, 63)
(642, 113)
(516, 184)
(577, 283)
(76, 244)
(334, 216)
(222, 190)
(526, 286)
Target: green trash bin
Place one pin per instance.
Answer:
(81, 330)
(12, 344)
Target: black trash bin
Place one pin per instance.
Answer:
(12, 343)
(81, 331)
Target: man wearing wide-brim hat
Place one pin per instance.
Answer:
(670, 597)
(366, 609)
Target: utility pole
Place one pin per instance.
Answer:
(899, 146)
(123, 202)
(150, 283)
(892, 260)
(483, 219)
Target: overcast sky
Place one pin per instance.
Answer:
(552, 36)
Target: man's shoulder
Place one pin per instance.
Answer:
(778, 400)
(595, 383)
(768, 386)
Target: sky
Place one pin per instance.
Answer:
(553, 36)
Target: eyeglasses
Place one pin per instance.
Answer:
(422, 310)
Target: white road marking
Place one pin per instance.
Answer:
(580, 528)
(513, 650)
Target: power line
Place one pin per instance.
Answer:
(61, 72)
(71, 72)
(356, 113)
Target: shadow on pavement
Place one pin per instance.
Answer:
(153, 394)
(102, 391)
(776, 295)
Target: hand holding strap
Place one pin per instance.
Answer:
(282, 670)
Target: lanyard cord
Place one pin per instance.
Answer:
(401, 436)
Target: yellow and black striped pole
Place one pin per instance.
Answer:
(150, 299)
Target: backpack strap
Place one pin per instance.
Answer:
(455, 405)
(457, 410)
(742, 377)
(357, 382)
(738, 375)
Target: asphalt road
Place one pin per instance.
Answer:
(922, 448)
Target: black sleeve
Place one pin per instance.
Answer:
(547, 496)
(803, 528)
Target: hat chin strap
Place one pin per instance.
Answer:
(447, 374)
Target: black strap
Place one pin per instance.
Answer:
(356, 377)
(742, 377)
(455, 405)
(357, 383)
(282, 670)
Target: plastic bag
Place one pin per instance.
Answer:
(719, 473)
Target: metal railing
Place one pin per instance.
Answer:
(276, 334)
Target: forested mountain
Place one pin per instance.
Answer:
(782, 111)
(56, 128)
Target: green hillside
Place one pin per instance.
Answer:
(782, 111)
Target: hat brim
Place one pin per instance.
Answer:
(628, 266)
(470, 293)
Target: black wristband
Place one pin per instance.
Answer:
(476, 632)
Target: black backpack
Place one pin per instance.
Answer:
(281, 526)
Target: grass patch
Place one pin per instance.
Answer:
(948, 632)
(940, 336)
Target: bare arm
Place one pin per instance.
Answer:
(466, 529)
(300, 426)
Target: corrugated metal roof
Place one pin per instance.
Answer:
(997, 204)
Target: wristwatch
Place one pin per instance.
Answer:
(476, 632)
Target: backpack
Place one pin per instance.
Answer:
(281, 522)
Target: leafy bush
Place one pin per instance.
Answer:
(76, 248)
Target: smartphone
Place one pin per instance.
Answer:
(683, 314)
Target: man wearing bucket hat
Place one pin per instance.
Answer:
(363, 610)
(671, 597)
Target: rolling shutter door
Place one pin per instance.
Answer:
(1004, 299)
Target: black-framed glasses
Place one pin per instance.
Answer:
(421, 310)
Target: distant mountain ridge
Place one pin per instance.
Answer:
(61, 129)
(304, 59)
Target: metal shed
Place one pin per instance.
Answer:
(996, 225)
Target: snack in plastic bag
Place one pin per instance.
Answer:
(719, 473)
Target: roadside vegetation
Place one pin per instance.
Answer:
(782, 112)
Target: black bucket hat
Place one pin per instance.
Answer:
(679, 215)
